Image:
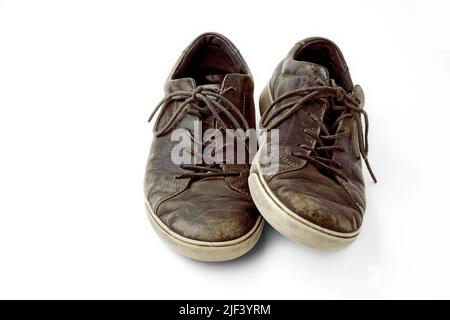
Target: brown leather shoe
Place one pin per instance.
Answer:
(317, 195)
(204, 211)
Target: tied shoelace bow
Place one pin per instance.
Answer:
(351, 108)
(200, 102)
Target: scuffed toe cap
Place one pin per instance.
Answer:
(209, 214)
(317, 199)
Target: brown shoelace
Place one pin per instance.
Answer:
(351, 108)
(200, 102)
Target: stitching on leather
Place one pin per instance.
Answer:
(275, 87)
(348, 190)
(243, 106)
(289, 128)
(169, 153)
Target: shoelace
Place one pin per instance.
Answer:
(213, 102)
(351, 108)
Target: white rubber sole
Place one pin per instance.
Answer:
(202, 250)
(282, 219)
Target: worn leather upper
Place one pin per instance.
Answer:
(309, 189)
(211, 209)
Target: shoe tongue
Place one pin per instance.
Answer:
(187, 84)
(211, 86)
(241, 83)
(302, 75)
(235, 87)
(208, 122)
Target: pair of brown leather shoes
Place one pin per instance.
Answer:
(211, 210)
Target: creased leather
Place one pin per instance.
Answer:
(210, 209)
(329, 202)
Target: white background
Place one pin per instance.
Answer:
(78, 80)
